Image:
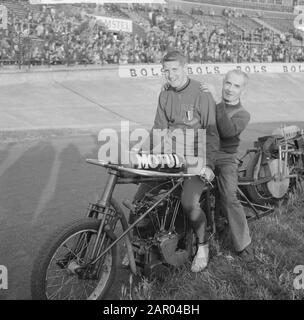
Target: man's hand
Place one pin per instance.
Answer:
(165, 87)
(207, 173)
(210, 89)
(204, 87)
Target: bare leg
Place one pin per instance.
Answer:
(193, 189)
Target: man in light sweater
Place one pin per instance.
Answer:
(232, 119)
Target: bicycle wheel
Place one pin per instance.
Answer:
(58, 272)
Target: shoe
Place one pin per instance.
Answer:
(200, 260)
(247, 254)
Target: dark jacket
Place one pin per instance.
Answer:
(231, 121)
(188, 108)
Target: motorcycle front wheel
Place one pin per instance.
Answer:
(59, 272)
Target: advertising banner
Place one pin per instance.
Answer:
(115, 24)
(96, 1)
(155, 71)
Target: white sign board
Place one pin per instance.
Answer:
(95, 1)
(115, 24)
(135, 1)
(61, 1)
(298, 10)
(155, 71)
(3, 17)
(298, 22)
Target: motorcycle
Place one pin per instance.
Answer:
(275, 166)
(81, 259)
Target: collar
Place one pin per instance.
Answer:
(183, 87)
(232, 105)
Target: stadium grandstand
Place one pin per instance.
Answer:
(207, 31)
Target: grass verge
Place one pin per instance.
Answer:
(278, 242)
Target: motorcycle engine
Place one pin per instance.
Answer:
(164, 249)
(147, 227)
(172, 252)
(153, 240)
(160, 218)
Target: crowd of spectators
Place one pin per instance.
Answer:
(49, 36)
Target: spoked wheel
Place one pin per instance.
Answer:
(271, 191)
(61, 270)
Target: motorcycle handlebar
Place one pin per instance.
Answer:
(140, 172)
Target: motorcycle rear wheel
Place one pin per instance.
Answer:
(267, 192)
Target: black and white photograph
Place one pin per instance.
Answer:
(151, 153)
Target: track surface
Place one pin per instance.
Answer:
(48, 129)
(45, 184)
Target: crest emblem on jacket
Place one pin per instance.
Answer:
(189, 113)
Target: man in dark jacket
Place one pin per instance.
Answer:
(183, 108)
(232, 119)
